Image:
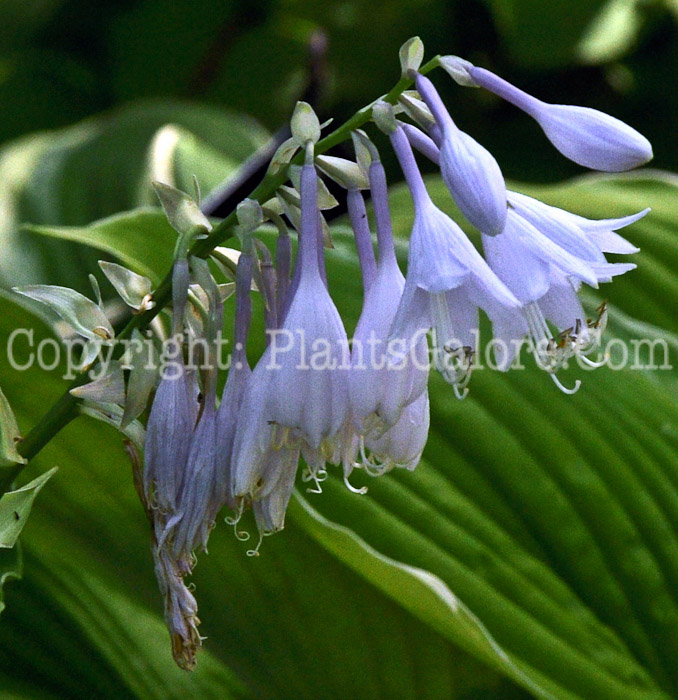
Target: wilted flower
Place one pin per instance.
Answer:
(181, 609)
(239, 375)
(194, 519)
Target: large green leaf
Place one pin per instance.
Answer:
(538, 539)
(295, 622)
(102, 166)
(142, 239)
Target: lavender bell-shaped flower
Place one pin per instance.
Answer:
(447, 280)
(469, 170)
(255, 468)
(173, 414)
(390, 430)
(196, 506)
(580, 236)
(297, 396)
(308, 375)
(586, 136)
(545, 277)
(270, 507)
(239, 375)
(400, 446)
(379, 393)
(262, 469)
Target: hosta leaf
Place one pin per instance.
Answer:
(142, 239)
(101, 166)
(552, 519)
(544, 36)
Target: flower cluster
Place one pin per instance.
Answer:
(312, 398)
(315, 399)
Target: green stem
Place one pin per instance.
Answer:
(65, 409)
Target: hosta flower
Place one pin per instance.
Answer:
(393, 428)
(270, 506)
(239, 375)
(545, 277)
(194, 518)
(195, 507)
(298, 393)
(447, 280)
(379, 392)
(308, 361)
(180, 608)
(402, 444)
(363, 236)
(263, 468)
(470, 171)
(586, 136)
(572, 231)
(173, 414)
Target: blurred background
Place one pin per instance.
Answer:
(62, 61)
(87, 90)
(130, 66)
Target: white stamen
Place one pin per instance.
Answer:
(563, 388)
(362, 490)
(255, 552)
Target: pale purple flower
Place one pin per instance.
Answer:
(172, 417)
(422, 142)
(586, 136)
(298, 393)
(447, 280)
(469, 170)
(253, 437)
(545, 277)
(379, 392)
(270, 505)
(308, 377)
(401, 445)
(363, 236)
(238, 377)
(387, 431)
(577, 234)
(197, 504)
(263, 469)
(195, 517)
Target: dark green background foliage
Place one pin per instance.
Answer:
(533, 553)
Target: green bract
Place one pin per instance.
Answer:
(86, 318)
